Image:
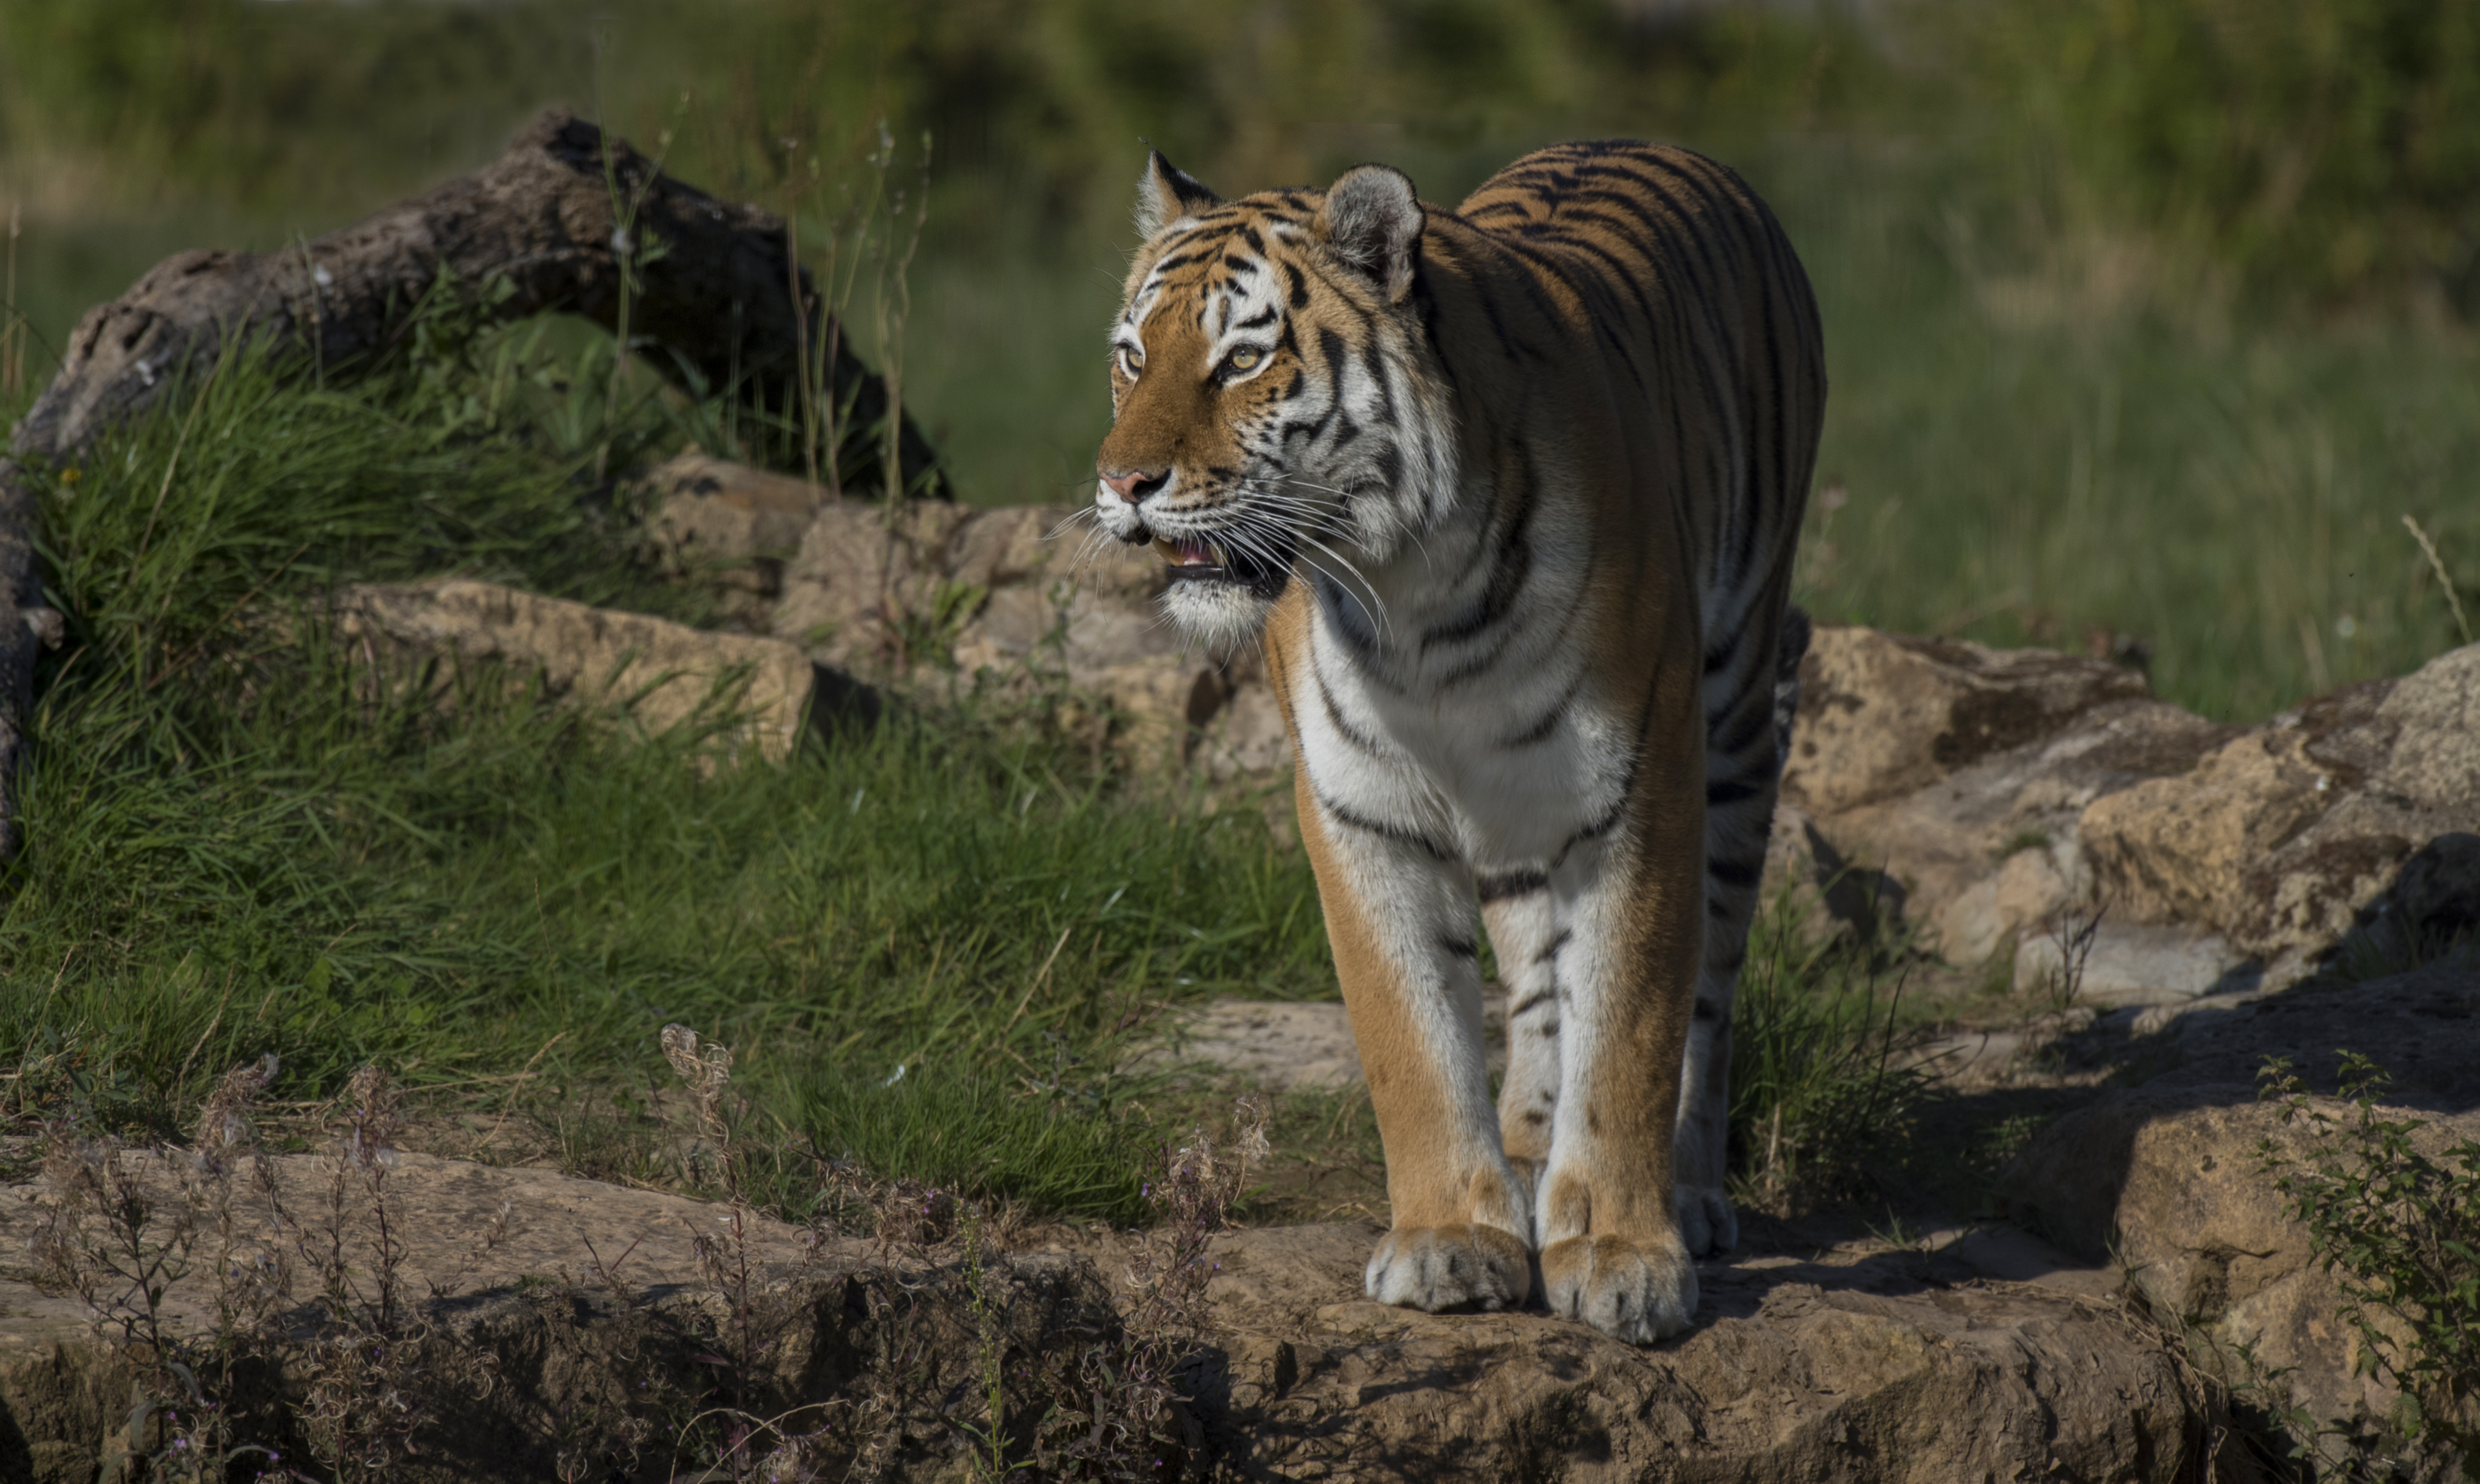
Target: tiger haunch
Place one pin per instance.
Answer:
(1512, 493)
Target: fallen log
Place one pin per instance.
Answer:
(716, 311)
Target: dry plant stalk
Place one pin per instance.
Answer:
(2436, 565)
(127, 1225)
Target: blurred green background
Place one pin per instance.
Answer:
(2147, 320)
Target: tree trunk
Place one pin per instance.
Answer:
(714, 311)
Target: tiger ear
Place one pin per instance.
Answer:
(1166, 193)
(1373, 221)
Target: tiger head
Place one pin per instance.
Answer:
(1277, 407)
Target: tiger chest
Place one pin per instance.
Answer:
(1500, 769)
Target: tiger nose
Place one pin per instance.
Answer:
(1135, 486)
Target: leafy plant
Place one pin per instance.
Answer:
(2398, 1226)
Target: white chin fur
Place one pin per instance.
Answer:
(1217, 615)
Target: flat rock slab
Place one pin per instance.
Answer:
(1857, 1364)
(1893, 1366)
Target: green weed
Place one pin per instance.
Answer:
(2399, 1229)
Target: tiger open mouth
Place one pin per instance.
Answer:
(1203, 559)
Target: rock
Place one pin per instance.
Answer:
(1013, 599)
(1879, 1367)
(732, 525)
(662, 675)
(2422, 1026)
(1882, 715)
(2287, 836)
(2138, 964)
(2177, 849)
(575, 1344)
(2168, 1180)
(594, 1313)
(1992, 852)
(1978, 799)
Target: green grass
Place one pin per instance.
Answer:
(231, 850)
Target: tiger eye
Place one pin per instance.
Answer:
(1243, 359)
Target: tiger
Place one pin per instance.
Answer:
(1510, 494)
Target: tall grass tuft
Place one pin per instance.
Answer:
(1820, 1088)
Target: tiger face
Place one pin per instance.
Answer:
(1276, 409)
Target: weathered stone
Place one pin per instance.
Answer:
(1879, 1367)
(730, 524)
(2012, 817)
(2175, 849)
(1858, 1364)
(1983, 799)
(2136, 963)
(2435, 712)
(658, 674)
(2169, 1180)
(1882, 715)
(1000, 598)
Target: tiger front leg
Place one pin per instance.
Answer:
(1612, 1249)
(1398, 916)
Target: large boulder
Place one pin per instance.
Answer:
(2280, 839)
(2172, 1180)
(1881, 715)
(1993, 802)
(1941, 784)
(1894, 1366)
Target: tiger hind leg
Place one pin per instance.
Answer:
(1749, 707)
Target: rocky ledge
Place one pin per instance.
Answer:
(560, 1318)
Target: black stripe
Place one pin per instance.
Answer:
(1397, 834)
(1550, 950)
(1728, 790)
(1504, 884)
(1736, 873)
(1507, 577)
(1533, 1002)
(1460, 947)
(1334, 714)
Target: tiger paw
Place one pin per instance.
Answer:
(1636, 1291)
(1437, 1267)
(1707, 1225)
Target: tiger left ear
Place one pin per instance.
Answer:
(1373, 221)
(1166, 193)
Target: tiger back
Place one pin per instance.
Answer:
(1511, 494)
